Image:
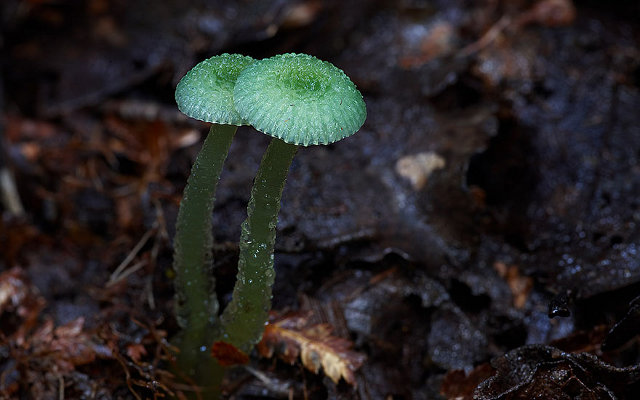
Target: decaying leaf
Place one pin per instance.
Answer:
(291, 335)
(538, 371)
(66, 346)
(228, 355)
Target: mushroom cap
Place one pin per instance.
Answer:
(206, 91)
(299, 99)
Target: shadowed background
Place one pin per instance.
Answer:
(497, 172)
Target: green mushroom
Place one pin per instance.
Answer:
(204, 93)
(298, 100)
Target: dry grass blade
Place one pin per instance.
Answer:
(120, 272)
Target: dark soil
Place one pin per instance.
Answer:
(478, 238)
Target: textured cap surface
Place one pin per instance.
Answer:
(206, 91)
(299, 99)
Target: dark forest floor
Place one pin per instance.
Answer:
(478, 238)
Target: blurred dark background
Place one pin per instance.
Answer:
(495, 180)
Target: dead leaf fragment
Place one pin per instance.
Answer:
(520, 285)
(418, 167)
(136, 351)
(228, 355)
(290, 336)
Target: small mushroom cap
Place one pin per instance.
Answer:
(299, 99)
(206, 91)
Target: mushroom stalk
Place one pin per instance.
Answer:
(243, 320)
(196, 302)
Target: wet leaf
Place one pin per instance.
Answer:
(538, 371)
(460, 385)
(290, 335)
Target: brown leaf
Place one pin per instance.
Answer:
(290, 336)
(228, 355)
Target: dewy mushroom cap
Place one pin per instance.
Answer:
(206, 91)
(299, 99)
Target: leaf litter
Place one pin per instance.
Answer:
(530, 105)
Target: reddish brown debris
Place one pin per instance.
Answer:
(460, 386)
(553, 13)
(65, 347)
(18, 298)
(228, 355)
(136, 351)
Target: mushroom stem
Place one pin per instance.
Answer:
(243, 320)
(196, 302)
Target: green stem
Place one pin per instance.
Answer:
(244, 318)
(196, 302)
